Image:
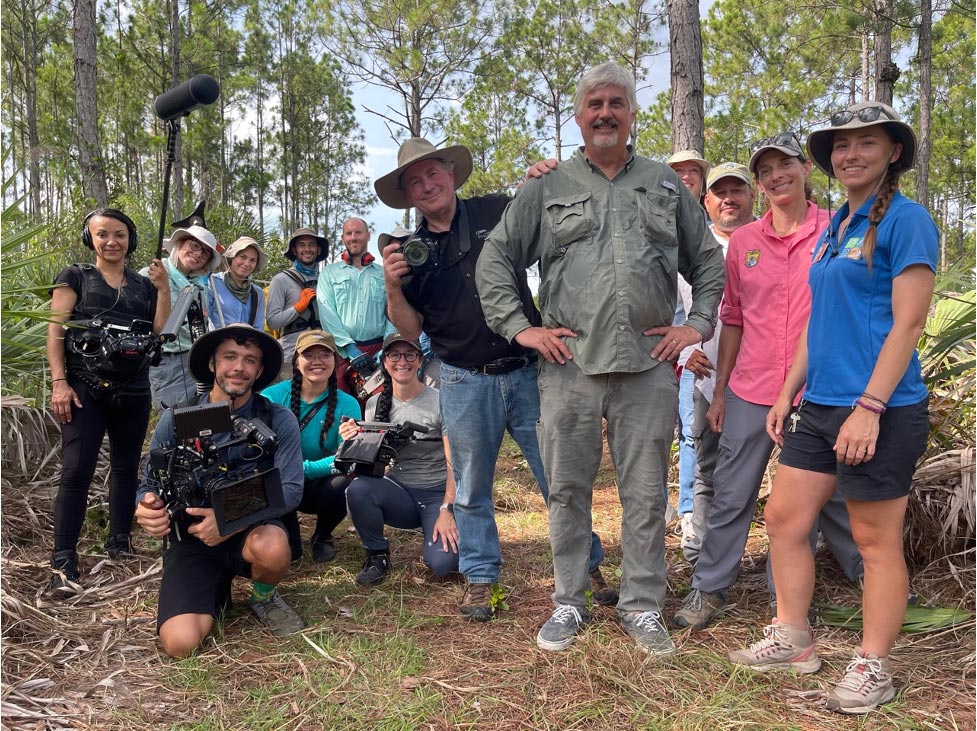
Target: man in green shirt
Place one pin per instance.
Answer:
(610, 231)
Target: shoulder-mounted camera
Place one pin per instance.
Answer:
(109, 356)
(371, 451)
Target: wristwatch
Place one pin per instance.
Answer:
(450, 507)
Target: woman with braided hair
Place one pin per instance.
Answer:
(319, 406)
(862, 422)
(418, 490)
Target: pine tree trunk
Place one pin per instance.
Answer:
(685, 37)
(86, 105)
(925, 100)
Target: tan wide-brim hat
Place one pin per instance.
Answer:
(414, 150)
(819, 143)
(398, 234)
(205, 346)
(202, 235)
(243, 243)
(690, 156)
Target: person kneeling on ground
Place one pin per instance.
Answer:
(199, 564)
(418, 491)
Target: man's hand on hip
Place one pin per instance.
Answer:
(674, 340)
(548, 341)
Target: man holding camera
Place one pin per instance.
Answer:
(200, 563)
(488, 385)
(352, 303)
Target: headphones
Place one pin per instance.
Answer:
(86, 235)
(365, 260)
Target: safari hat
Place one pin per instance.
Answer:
(414, 150)
(856, 116)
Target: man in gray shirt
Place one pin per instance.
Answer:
(610, 231)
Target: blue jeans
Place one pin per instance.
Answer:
(477, 410)
(686, 442)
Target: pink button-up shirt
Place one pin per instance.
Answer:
(768, 297)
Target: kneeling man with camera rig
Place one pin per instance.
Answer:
(222, 470)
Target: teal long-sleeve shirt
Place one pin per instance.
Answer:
(317, 458)
(353, 303)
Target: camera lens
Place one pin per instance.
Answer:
(416, 253)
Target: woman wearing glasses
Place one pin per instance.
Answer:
(314, 397)
(862, 422)
(419, 488)
(193, 256)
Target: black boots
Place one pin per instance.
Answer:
(64, 582)
(375, 567)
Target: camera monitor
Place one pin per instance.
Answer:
(202, 420)
(247, 501)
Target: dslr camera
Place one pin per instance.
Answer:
(370, 452)
(197, 473)
(421, 252)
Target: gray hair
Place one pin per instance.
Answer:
(606, 74)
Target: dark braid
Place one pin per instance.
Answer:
(887, 190)
(295, 401)
(385, 400)
(331, 400)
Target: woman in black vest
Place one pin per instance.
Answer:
(99, 345)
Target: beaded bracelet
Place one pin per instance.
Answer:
(869, 407)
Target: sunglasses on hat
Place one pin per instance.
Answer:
(785, 139)
(867, 114)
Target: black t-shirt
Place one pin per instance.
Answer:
(135, 300)
(448, 300)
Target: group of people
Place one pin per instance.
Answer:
(814, 351)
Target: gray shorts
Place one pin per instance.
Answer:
(171, 382)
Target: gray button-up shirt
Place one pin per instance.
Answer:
(608, 253)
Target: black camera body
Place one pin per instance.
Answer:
(371, 451)
(421, 252)
(197, 472)
(106, 356)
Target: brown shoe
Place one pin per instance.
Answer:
(477, 602)
(603, 594)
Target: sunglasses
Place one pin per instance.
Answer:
(868, 114)
(786, 139)
(410, 357)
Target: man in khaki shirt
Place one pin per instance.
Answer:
(610, 231)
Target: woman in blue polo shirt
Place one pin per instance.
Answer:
(862, 423)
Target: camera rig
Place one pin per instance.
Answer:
(374, 447)
(366, 375)
(199, 473)
(108, 356)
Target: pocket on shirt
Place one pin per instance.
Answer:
(656, 216)
(342, 288)
(569, 217)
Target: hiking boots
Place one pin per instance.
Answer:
(782, 648)
(867, 684)
(64, 582)
(277, 616)
(603, 594)
(562, 627)
(117, 545)
(375, 568)
(323, 549)
(477, 602)
(698, 609)
(648, 631)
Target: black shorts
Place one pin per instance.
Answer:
(197, 577)
(903, 433)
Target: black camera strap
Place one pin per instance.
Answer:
(316, 407)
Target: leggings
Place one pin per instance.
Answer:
(125, 419)
(324, 497)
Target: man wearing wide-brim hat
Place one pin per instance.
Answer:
(234, 361)
(488, 384)
(291, 308)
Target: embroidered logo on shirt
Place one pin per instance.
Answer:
(852, 248)
(752, 258)
(670, 185)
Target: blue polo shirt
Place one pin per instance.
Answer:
(851, 308)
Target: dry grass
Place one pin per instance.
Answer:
(400, 657)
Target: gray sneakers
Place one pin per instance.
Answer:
(277, 616)
(783, 647)
(562, 627)
(698, 609)
(867, 684)
(648, 631)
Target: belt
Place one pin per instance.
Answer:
(501, 366)
(371, 341)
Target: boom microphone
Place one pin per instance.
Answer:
(183, 99)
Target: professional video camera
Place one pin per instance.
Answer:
(421, 253)
(196, 473)
(366, 375)
(375, 447)
(109, 356)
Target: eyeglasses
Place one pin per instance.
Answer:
(867, 114)
(785, 139)
(316, 354)
(196, 247)
(410, 356)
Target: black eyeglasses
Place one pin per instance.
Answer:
(866, 114)
(409, 356)
(785, 139)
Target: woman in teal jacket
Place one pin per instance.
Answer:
(319, 405)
